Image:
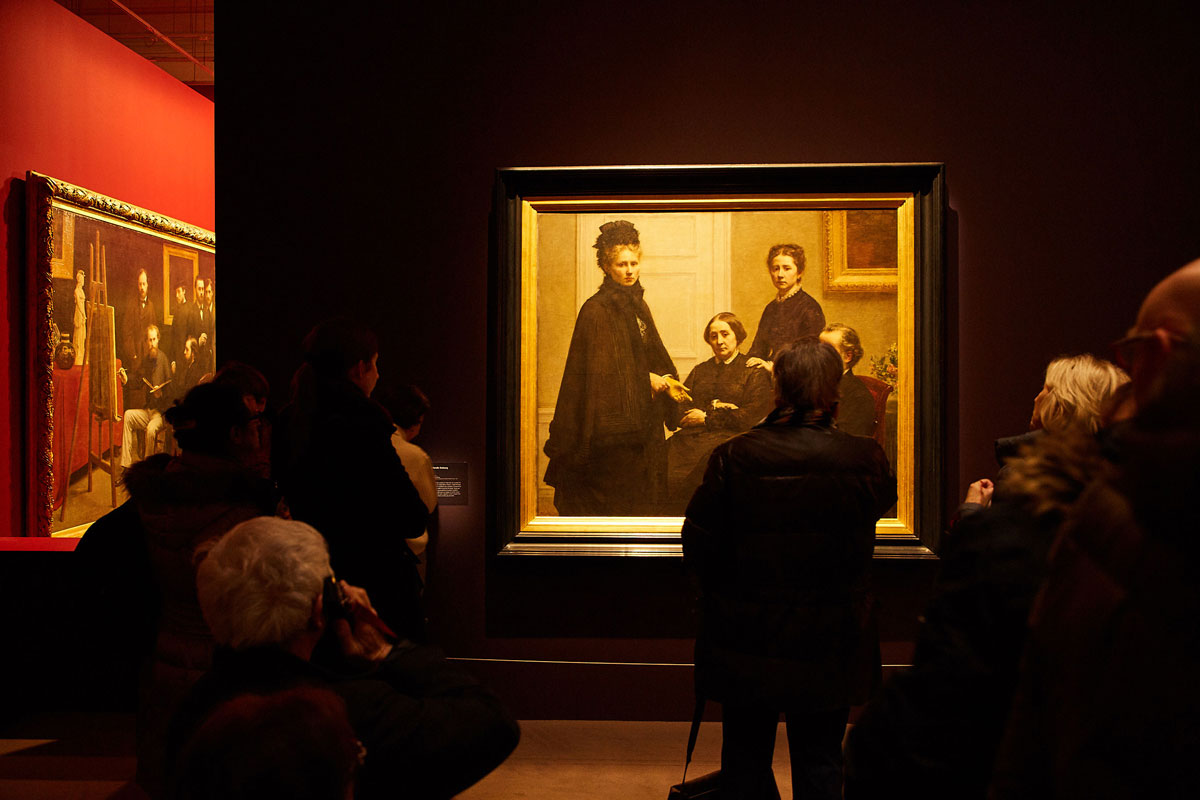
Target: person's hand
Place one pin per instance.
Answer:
(677, 391)
(727, 406)
(123, 375)
(755, 361)
(360, 637)
(980, 492)
(172, 367)
(658, 384)
(356, 597)
(203, 339)
(693, 419)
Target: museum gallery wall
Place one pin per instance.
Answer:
(1068, 141)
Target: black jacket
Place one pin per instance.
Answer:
(781, 535)
(339, 473)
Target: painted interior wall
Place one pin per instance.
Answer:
(358, 179)
(76, 105)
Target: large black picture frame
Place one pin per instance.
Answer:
(522, 195)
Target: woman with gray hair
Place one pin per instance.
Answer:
(268, 593)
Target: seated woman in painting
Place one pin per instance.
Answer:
(607, 443)
(728, 397)
(793, 314)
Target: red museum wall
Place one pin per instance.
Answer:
(78, 106)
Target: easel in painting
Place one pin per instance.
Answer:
(102, 353)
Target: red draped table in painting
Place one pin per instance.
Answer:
(70, 439)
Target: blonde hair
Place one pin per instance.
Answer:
(1077, 391)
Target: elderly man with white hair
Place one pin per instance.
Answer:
(267, 591)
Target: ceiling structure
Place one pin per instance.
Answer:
(177, 35)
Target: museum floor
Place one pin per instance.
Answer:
(90, 757)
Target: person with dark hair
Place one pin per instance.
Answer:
(187, 371)
(137, 315)
(856, 404)
(607, 433)
(183, 503)
(207, 332)
(728, 397)
(428, 729)
(254, 389)
(295, 743)
(793, 313)
(338, 471)
(146, 395)
(408, 406)
(780, 536)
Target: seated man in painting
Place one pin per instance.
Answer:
(187, 370)
(728, 397)
(146, 396)
(856, 404)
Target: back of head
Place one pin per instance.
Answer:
(1078, 389)
(248, 380)
(202, 422)
(807, 373)
(851, 344)
(258, 583)
(406, 403)
(296, 743)
(1174, 303)
(335, 345)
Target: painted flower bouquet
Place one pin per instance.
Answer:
(885, 367)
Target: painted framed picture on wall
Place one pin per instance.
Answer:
(122, 321)
(637, 311)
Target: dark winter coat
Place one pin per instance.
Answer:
(781, 535)
(184, 504)
(339, 473)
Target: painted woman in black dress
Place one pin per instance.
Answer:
(793, 314)
(728, 397)
(607, 443)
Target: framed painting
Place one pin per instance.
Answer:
(121, 323)
(719, 266)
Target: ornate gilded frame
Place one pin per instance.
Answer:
(916, 191)
(43, 195)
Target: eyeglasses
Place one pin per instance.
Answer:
(1125, 350)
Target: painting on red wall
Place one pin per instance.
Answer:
(122, 323)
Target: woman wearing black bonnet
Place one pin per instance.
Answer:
(607, 445)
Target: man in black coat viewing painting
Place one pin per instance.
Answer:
(780, 535)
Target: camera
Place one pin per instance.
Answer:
(334, 601)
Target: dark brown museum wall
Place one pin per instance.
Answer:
(355, 175)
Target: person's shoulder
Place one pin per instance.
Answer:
(804, 299)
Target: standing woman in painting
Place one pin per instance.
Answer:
(793, 314)
(607, 443)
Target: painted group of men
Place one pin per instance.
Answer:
(161, 363)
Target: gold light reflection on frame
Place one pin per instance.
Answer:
(660, 536)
